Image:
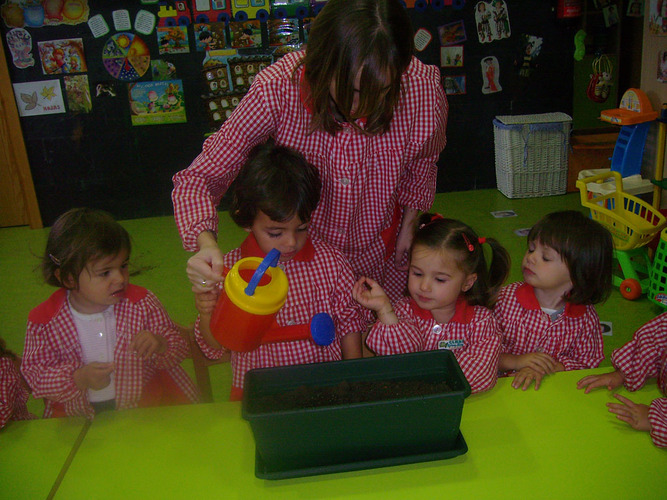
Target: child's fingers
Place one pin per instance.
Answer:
(624, 400)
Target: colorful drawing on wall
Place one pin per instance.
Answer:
(62, 56)
(422, 38)
(35, 14)
(635, 8)
(452, 33)
(19, 42)
(78, 93)
(173, 40)
(662, 66)
(245, 34)
(451, 57)
(283, 31)
(162, 70)
(531, 46)
(657, 17)
(39, 98)
(490, 75)
(492, 21)
(126, 57)
(454, 85)
(157, 103)
(210, 37)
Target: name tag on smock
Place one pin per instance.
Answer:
(452, 344)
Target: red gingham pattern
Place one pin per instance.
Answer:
(322, 283)
(363, 178)
(52, 352)
(574, 339)
(418, 331)
(644, 357)
(13, 396)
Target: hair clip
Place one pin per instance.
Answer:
(434, 218)
(468, 244)
(481, 240)
(54, 259)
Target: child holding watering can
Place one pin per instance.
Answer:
(273, 198)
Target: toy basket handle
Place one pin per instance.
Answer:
(271, 260)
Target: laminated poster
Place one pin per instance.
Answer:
(173, 40)
(19, 43)
(492, 21)
(657, 17)
(35, 14)
(62, 56)
(78, 93)
(39, 98)
(157, 103)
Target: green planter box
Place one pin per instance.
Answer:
(336, 438)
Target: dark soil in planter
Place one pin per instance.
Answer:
(348, 392)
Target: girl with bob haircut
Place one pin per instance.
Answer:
(450, 290)
(548, 321)
(100, 343)
(273, 198)
(359, 107)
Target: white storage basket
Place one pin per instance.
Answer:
(531, 154)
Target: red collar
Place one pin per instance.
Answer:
(463, 313)
(46, 311)
(525, 294)
(250, 248)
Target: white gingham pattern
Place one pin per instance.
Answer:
(13, 396)
(644, 357)
(416, 331)
(574, 339)
(52, 352)
(363, 178)
(320, 280)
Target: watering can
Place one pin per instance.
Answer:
(245, 315)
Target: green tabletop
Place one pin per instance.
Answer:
(553, 443)
(33, 453)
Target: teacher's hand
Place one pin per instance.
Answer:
(205, 267)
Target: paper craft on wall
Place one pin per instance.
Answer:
(662, 66)
(490, 75)
(78, 93)
(530, 49)
(454, 85)
(126, 56)
(173, 40)
(39, 98)
(422, 38)
(19, 42)
(157, 103)
(35, 14)
(452, 56)
(245, 34)
(492, 20)
(657, 17)
(452, 33)
(210, 36)
(163, 70)
(62, 56)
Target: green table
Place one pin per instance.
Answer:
(33, 453)
(553, 443)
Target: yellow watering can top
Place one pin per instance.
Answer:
(251, 296)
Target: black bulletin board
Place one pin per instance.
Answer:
(100, 160)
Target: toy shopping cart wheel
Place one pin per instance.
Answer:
(632, 224)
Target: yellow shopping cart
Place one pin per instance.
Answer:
(632, 223)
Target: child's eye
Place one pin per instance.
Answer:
(440, 280)
(302, 229)
(274, 235)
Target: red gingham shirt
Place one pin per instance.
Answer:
(320, 280)
(364, 178)
(574, 339)
(644, 357)
(13, 396)
(471, 334)
(52, 352)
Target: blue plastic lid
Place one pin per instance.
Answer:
(322, 329)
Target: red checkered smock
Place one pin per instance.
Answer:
(365, 179)
(471, 334)
(574, 339)
(320, 280)
(52, 353)
(644, 357)
(13, 396)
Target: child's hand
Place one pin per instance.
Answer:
(145, 344)
(634, 414)
(95, 375)
(612, 380)
(205, 302)
(370, 295)
(524, 377)
(537, 361)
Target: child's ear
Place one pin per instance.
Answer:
(469, 281)
(247, 230)
(68, 282)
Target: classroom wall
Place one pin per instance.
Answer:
(99, 159)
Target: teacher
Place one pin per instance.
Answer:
(358, 106)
